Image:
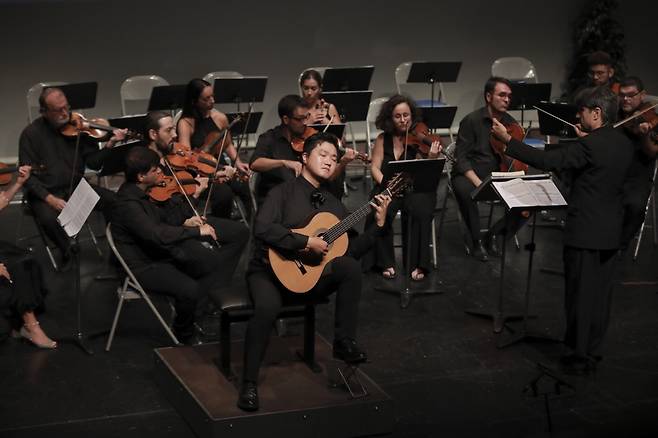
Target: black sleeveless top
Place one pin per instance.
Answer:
(202, 127)
(389, 154)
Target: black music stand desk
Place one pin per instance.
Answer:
(347, 78)
(433, 72)
(167, 98)
(248, 89)
(81, 95)
(425, 175)
(526, 95)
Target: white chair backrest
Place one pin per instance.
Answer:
(138, 88)
(33, 98)
(227, 74)
(401, 74)
(373, 110)
(514, 68)
(320, 70)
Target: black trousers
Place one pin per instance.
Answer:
(221, 200)
(47, 216)
(463, 187)
(589, 279)
(420, 208)
(201, 268)
(27, 291)
(342, 275)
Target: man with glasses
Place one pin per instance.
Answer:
(637, 187)
(274, 158)
(601, 72)
(476, 160)
(42, 144)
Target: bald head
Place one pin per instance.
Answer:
(54, 106)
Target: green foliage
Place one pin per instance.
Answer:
(595, 29)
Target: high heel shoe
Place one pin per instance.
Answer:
(25, 334)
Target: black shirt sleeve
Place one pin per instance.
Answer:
(573, 156)
(268, 224)
(466, 139)
(28, 155)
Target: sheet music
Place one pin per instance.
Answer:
(518, 193)
(78, 207)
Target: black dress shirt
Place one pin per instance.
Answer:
(473, 150)
(142, 231)
(292, 205)
(41, 144)
(601, 162)
(275, 145)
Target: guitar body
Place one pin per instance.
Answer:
(301, 271)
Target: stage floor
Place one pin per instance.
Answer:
(440, 366)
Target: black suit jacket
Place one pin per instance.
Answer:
(600, 162)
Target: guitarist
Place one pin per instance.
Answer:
(287, 206)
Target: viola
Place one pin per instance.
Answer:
(6, 172)
(421, 138)
(182, 157)
(643, 114)
(214, 141)
(508, 164)
(95, 128)
(167, 186)
(298, 142)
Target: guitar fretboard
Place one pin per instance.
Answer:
(341, 227)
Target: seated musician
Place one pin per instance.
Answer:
(476, 159)
(601, 71)
(321, 112)
(175, 259)
(22, 287)
(199, 119)
(640, 181)
(286, 207)
(602, 158)
(42, 144)
(275, 159)
(396, 117)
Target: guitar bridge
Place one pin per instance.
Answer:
(300, 266)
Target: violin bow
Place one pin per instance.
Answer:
(628, 119)
(556, 117)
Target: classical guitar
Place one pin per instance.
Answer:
(300, 271)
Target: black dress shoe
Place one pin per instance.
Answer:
(492, 246)
(479, 252)
(348, 351)
(248, 398)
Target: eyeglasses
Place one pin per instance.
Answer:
(301, 118)
(597, 73)
(628, 95)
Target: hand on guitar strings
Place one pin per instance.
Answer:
(317, 245)
(380, 205)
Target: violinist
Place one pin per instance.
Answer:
(321, 112)
(637, 187)
(396, 118)
(199, 119)
(601, 71)
(167, 254)
(22, 285)
(592, 233)
(476, 159)
(42, 144)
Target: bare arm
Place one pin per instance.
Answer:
(377, 159)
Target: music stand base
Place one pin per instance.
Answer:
(499, 318)
(525, 336)
(407, 293)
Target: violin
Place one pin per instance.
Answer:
(6, 172)
(643, 114)
(167, 186)
(95, 128)
(508, 164)
(421, 138)
(211, 144)
(298, 142)
(182, 157)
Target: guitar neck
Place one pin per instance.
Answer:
(343, 226)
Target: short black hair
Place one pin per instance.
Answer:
(632, 81)
(289, 103)
(599, 97)
(152, 121)
(599, 58)
(140, 160)
(490, 85)
(316, 139)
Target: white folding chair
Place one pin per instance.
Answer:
(131, 290)
(136, 92)
(33, 98)
(515, 68)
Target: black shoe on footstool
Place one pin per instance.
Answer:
(348, 351)
(248, 398)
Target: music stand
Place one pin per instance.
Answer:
(425, 175)
(337, 129)
(352, 106)
(526, 95)
(167, 98)
(79, 96)
(347, 78)
(249, 89)
(115, 158)
(135, 123)
(551, 126)
(433, 72)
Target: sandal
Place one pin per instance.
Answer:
(418, 275)
(389, 273)
(27, 335)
